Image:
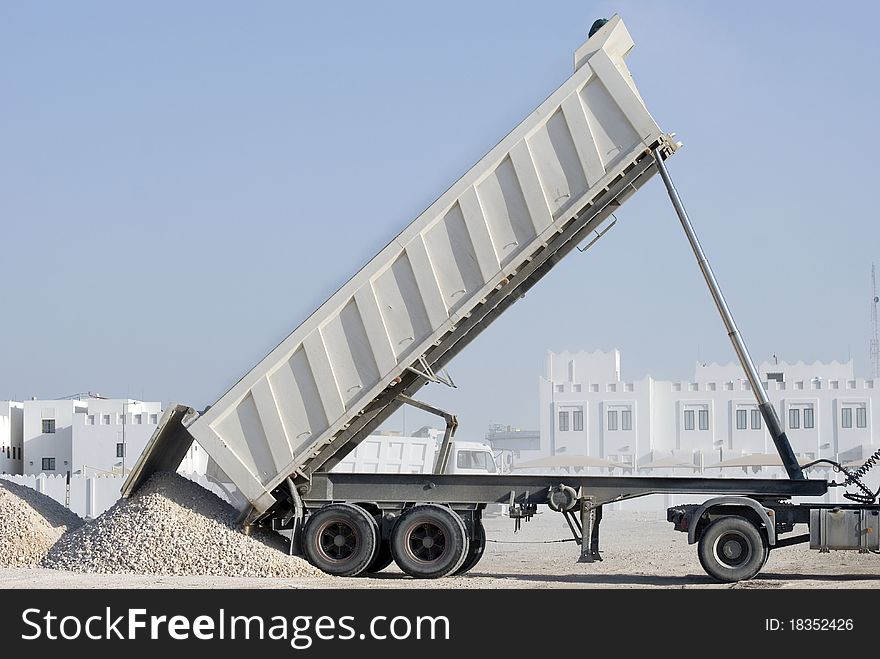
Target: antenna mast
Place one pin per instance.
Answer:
(875, 330)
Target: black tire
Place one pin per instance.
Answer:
(732, 549)
(382, 559)
(341, 539)
(475, 550)
(429, 542)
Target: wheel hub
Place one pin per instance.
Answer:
(427, 542)
(338, 541)
(732, 549)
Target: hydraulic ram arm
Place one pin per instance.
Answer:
(783, 446)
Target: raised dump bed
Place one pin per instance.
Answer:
(547, 186)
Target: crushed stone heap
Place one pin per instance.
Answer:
(30, 524)
(173, 526)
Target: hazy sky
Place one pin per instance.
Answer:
(181, 184)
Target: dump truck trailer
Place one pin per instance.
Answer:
(550, 186)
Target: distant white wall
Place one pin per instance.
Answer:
(195, 461)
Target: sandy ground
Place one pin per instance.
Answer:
(640, 550)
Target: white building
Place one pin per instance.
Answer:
(91, 436)
(47, 435)
(586, 408)
(111, 434)
(11, 456)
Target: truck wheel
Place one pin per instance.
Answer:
(475, 552)
(341, 539)
(732, 549)
(382, 559)
(429, 542)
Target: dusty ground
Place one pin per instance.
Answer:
(640, 550)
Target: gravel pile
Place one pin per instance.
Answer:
(30, 523)
(173, 526)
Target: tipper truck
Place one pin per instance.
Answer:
(550, 186)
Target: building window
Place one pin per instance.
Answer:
(741, 419)
(560, 388)
(121, 418)
(154, 419)
(704, 419)
(577, 388)
(778, 377)
(577, 420)
(688, 419)
(563, 421)
(756, 419)
(846, 417)
(138, 419)
(612, 419)
(48, 464)
(48, 426)
(120, 450)
(90, 420)
(809, 422)
(105, 420)
(794, 418)
(861, 417)
(626, 420)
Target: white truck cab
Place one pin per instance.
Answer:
(471, 458)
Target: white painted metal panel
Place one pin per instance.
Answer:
(437, 271)
(379, 454)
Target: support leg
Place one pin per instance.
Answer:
(587, 518)
(594, 536)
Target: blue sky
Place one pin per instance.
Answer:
(181, 184)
